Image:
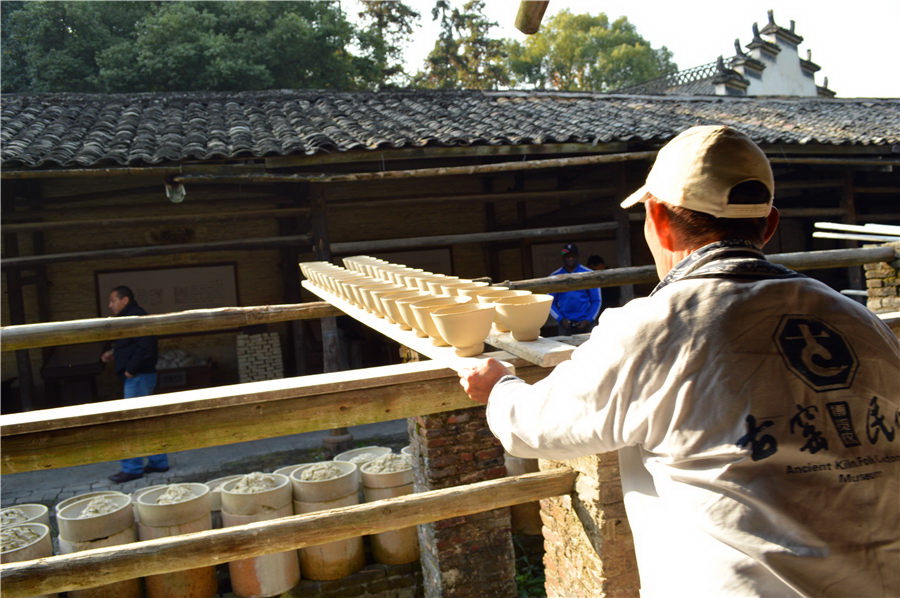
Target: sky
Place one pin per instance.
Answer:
(855, 43)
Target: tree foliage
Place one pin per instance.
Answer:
(386, 26)
(179, 46)
(585, 52)
(464, 55)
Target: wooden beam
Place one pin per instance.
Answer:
(805, 260)
(101, 566)
(97, 432)
(239, 215)
(364, 177)
(440, 240)
(835, 161)
(443, 153)
(531, 12)
(131, 252)
(51, 334)
(588, 194)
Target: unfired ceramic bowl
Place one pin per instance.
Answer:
(422, 313)
(464, 326)
(490, 297)
(524, 315)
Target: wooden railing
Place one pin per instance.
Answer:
(112, 430)
(31, 336)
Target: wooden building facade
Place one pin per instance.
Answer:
(211, 199)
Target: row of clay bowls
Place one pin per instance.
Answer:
(449, 310)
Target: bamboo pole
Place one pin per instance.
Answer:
(152, 220)
(804, 260)
(101, 566)
(130, 252)
(436, 241)
(51, 334)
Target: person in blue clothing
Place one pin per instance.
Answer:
(135, 362)
(574, 311)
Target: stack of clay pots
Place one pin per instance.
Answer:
(25, 531)
(96, 522)
(337, 485)
(242, 502)
(390, 476)
(449, 310)
(172, 510)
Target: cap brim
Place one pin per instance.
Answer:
(636, 197)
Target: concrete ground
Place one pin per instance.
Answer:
(49, 487)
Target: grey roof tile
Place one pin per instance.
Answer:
(89, 130)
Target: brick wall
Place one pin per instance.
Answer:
(883, 283)
(471, 556)
(589, 550)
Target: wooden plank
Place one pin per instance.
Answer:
(444, 355)
(883, 229)
(101, 566)
(857, 237)
(239, 215)
(98, 432)
(51, 334)
(543, 352)
(440, 240)
(130, 252)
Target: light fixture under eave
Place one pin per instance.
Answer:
(175, 192)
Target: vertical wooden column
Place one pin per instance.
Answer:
(848, 203)
(17, 316)
(470, 556)
(589, 550)
(290, 274)
(333, 360)
(623, 233)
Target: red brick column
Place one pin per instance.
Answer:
(471, 556)
(588, 545)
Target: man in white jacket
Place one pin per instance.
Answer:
(756, 411)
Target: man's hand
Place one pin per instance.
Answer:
(565, 322)
(583, 325)
(128, 374)
(106, 356)
(479, 381)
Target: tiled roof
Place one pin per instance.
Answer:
(87, 130)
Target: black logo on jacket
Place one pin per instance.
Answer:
(815, 352)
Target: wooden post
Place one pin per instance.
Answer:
(848, 203)
(17, 316)
(623, 234)
(340, 439)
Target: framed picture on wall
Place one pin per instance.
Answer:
(179, 288)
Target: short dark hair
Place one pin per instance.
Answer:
(595, 260)
(698, 226)
(123, 291)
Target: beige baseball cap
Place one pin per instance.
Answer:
(698, 169)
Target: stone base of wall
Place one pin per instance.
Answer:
(589, 550)
(373, 581)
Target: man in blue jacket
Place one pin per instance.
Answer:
(135, 361)
(574, 311)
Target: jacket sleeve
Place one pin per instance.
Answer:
(596, 303)
(143, 357)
